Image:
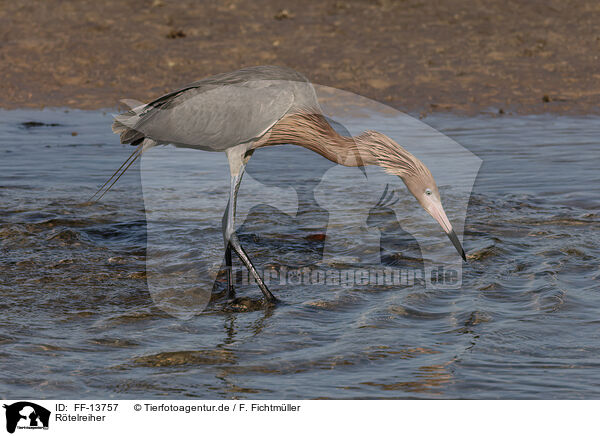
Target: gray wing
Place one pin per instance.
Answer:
(221, 111)
(218, 118)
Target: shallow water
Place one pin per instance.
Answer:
(78, 320)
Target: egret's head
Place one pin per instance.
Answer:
(422, 185)
(418, 179)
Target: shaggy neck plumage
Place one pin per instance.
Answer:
(312, 131)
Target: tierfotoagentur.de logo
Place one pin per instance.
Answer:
(24, 415)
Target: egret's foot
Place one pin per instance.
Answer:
(247, 304)
(269, 297)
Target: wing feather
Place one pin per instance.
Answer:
(218, 112)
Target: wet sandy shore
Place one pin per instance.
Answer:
(466, 56)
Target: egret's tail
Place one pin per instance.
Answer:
(124, 167)
(125, 124)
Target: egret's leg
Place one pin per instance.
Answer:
(228, 266)
(228, 263)
(237, 167)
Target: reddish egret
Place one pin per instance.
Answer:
(241, 111)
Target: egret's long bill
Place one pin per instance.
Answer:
(437, 211)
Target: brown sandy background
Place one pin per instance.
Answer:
(465, 56)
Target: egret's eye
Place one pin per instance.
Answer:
(428, 192)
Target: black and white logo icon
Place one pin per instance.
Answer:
(26, 415)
